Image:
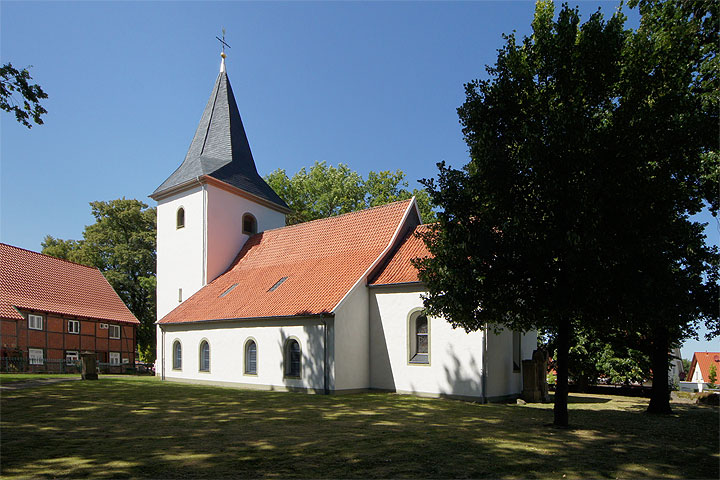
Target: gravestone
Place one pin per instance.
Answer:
(535, 388)
(89, 365)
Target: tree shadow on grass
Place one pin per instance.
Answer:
(145, 428)
(580, 398)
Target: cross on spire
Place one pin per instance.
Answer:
(222, 40)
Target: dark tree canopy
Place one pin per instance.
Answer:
(588, 152)
(614, 359)
(121, 243)
(324, 191)
(27, 107)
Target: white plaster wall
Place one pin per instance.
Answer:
(455, 356)
(180, 254)
(227, 343)
(455, 366)
(352, 337)
(224, 236)
(501, 379)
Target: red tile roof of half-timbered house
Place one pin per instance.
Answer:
(36, 282)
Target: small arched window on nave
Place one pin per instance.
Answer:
(204, 356)
(177, 355)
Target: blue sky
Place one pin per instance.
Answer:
(372, 85)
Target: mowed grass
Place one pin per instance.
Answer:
(6, 378)
(142, 427)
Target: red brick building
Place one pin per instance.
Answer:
(52, 309)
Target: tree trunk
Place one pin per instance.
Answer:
(560, 409)
(660, 393)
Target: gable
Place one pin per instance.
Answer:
(398, 268)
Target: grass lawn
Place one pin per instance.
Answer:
(141, 427)
(6, 378)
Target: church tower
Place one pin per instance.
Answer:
(211, 204)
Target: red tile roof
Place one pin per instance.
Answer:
(322, 261)
(704, 360)
(33, 281)
(399, 269)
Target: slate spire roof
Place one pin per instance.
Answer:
(220, 149)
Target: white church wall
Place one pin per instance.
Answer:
(225, 235)
(227, 342)
(180, 252)
(352, 336)
(502, 379)
(455, 360)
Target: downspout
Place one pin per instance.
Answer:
(162, 368)
(483, 374)
(325, 358)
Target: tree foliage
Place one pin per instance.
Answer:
(324, 191)
(121, 243)
(517, 241)
(613, 359)
(28, 107)
(587, 145)
(712, 375)
(666, 134)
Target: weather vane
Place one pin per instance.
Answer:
(222, 40)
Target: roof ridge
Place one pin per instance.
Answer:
(334, 217)
(50, 256)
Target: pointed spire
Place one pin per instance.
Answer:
(220, 148)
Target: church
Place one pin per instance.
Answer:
(327, 306)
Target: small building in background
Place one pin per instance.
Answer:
(698, 376)
(53, 309)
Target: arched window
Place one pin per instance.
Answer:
(251, 357)
(204, 356)
(249, 224)
(419, 336)
(180, 222)
(177, 355)
(292, 358)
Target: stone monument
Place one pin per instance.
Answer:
(89, 366)
(535, 388)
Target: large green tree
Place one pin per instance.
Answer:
(324, 191)
(590, 146)
(26, 108)
(121, 243)
(518, 237)
(666, 136)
